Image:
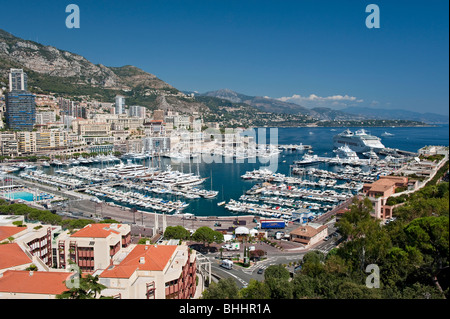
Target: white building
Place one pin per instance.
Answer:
(120, 104)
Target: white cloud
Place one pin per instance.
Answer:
(314, 100)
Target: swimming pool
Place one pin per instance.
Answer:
(20, 195)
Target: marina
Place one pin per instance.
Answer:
(305, 181)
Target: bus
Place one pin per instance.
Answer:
(226, 263)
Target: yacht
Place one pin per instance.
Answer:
(371, 154)
(387, 134)
(308, 160)
(346, 152)
(359, 141)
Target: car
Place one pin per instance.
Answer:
(326, 238)
(260, 271)
(335, 234)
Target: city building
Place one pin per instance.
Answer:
(20, 113)
(137, 111)
(92, 247)
(310, 234)
(379, 191)
(18, 80)
(120, 105)
(152, 272)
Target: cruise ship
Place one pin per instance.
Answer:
(359, 141)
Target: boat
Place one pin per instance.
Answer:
(387, 134)
(371, 154)
(45, 164)
(308, 160)
(346, 152)
(221, 203)
(359, 141)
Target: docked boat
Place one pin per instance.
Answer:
(359, 141)
(308, 160)
(346, 152)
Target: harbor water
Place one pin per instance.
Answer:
(225, 177)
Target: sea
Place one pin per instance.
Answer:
(225, 177)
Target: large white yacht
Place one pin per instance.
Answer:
(346, 152)
(359, 141)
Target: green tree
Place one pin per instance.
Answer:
(276, 277)
(207, 235)
(224, 289)
(176, 232)
(255, 290)
(88, 288)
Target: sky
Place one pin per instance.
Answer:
(310, 52)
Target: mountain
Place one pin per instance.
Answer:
(276, 106)
(429, 118)
(262, 103)
(73, 68)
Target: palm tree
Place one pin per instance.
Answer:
(88, 288)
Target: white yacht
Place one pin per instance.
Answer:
(359, 141)
(346, 152)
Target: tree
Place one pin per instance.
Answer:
(88, 288)
(430, 236)
(276, 277)
(255, 290)
(207, 235)
(224, 289)
(176, 232)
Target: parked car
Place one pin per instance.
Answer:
(326, 238)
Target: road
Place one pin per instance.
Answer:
(242, 275)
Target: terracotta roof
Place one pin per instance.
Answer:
(8, 231)
(39, 282)
(155, 258)
(12, 255)
(307, 231)
(96, 231)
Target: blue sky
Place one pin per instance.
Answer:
(316, 53)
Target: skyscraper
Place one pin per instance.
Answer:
(120, 104)
(20, 111)
(17, 80)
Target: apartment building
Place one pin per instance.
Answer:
(92, 247)
(91, 128)
(379, 191)
(8, 144)
(152, 272)
(34, 239)
(45, 117)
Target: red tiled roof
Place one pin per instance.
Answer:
(12, 255)
(155, 257)
(8, 231)
(96, 231)
(39, 282)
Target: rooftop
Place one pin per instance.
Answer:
(142, 257)
(97, 230)
(11, 255)
(8, 231)
(33, 282)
